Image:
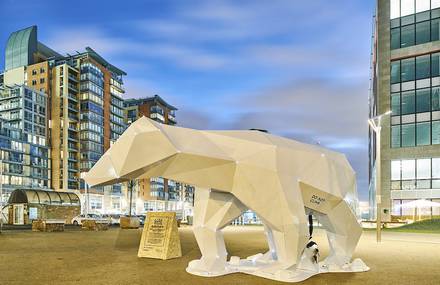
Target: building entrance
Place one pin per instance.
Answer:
(18, 214)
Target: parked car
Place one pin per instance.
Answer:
(77, 221)
(115, 219)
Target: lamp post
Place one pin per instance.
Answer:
(376, 124)
(1, 195)
(86, 195)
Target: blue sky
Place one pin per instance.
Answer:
(296, 68)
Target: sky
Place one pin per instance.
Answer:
(298, 69)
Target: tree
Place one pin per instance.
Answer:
(130, 185)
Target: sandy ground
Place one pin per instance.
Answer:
(77, 257)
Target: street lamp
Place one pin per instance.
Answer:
(376, 124)
(1, 195)
(86, 195)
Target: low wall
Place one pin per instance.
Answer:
(44, 212)
(93, 225)
(48, 225)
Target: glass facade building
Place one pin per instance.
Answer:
(23, 139)
(84, 114)
(405, 72)
(92, 115)
(415, 101)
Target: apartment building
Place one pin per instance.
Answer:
(85, 109)
(405, 71)
(24, 151)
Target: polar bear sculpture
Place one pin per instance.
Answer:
(281, 180)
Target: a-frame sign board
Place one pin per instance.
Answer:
(160, 237)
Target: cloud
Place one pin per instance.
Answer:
(69, 40)
(316, 111)
(196, 119)
(297, 68)
(321, 105)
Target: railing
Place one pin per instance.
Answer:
(73, 87)
(73, 97)
(73, 78)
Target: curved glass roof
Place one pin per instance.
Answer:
(21, 47)
(32, 196)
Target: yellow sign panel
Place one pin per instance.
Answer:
(160, 237)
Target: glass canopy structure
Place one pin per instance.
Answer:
(31, 196)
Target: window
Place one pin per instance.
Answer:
(435, 98)
(408, 102)
(424, 168)
(395, 170)
(395, 38)
(407, 7)
(408, 135)
(423, 67)
(395, 136)
(436, 132)
(422, 32)
(407, 36)
(395, 71)
(423, 133)
(34, 72)
(435, 29)
(414, 22)
(423, 100)
(436, 168)
(395, 9)
(34, 82)
(407, 69)
(422, 5)
(41, 80)
(395, 104)
(408, 169)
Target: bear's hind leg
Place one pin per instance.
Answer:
(287, 237)
(343, 233)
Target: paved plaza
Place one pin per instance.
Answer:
(110, 257)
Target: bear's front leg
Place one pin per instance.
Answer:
(213, 211)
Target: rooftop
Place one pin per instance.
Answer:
(23, 44)
(155, 99)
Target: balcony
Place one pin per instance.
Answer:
(73, 78)
(171, 118)
(157, 117)
(156, 109)
(74, 170)
(73, 107)
(10, 106)
(73, 97)
(73, 128)
(72, 148)
(73, 117)
(73, 138)
(73, 87)
(73, 159)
